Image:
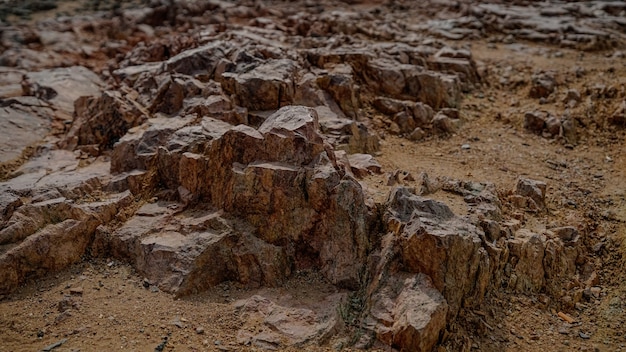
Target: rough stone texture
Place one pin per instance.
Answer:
(103, 120)
(274, 78)
(61, 87)
(259, 176)
(408, 312)
(25, 123)
(534, 190)
(195, 146)
(274, 325)
(435, 242)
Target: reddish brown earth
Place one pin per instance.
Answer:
(103, 300)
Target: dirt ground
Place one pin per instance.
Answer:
(103, 305)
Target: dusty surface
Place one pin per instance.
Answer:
(103, 303)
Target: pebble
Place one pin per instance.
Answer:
(465, 147)
(583, 335)
(76, 291)
(199, 330)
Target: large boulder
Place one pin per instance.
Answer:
(282, 179)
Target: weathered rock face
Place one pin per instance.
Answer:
(281, 179)
(101, 121)
(408, 312)
(62, 87)
(433, 241)
(283, 325)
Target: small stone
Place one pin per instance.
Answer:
(583, 335)
(217, 342)
(465, 147)
(199, 330)
(78, 291)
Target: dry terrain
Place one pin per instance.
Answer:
(135, 216)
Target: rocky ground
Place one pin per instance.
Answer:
(385, 175)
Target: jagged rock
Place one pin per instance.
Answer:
(50, 236)
(61, 87)
(343, 88)
(403, 81)
(103, 120)
(543, 85)
(535, 121)
(190, 252)
(528, 273)
(259, 176)
(534, 190)
(408, 312)
(458, 62)
(201, 61)
(433, 241)
(363, 165)
(264, 87)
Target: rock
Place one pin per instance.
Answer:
(363, 165)
(267, 169)
(408, 312)
(444, 124)
(286, 324)
(103, 120)
(202, 60)
(417, 134)
(529, 249)
(25, 124)
(433, 241)
(567, 234)
(534, 190)
(265, 87)
(572, 95)
(535, 121)
(343, 88)
(553, 126)
(54, 345)
(76, 291)
(543, 84)
(61, 87)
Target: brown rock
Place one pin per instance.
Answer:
(535, 190)
(543, 85)
(103, 120)
(433, 241)
(265, 87)
(61, 87)
(535, 121)
(363, 165)
(408, 312)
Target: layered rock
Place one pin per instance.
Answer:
(281, 179)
